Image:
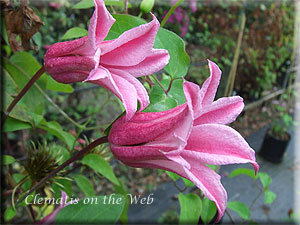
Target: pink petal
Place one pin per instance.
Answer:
(70, 77)
(193, 98)
(142, 95)
(122, 88)
(210, 86)
(69, 64)
(100, 24)
(129, 95)
(209, 182)
(79, 46)
(202, 176)
(145, 127)
(154, 62)
(176, 137)
(218, 145)
(132, 47)
(223, 111)
(127, 154)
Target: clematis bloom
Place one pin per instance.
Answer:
(113, 64)
(186, 138)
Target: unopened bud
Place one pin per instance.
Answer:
(147, 5)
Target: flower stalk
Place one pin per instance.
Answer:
(172, 9)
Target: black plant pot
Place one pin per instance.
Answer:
(273, 149)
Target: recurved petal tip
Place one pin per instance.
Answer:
(100, 23)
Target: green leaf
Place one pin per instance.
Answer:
(265, 179)
(18, 71)
(54, 128)
(116, 3)
(37, 38)
(18, 177)
(3, 31)
(122, 24)
(62, 185)
(97, 163)
(120, 189)
(75, 32)
(213, 167)
(176, 91)
(26, 63)
(270, 197)
(159, 101)
(209, 210)
(9, 213)
(18, 113)
(7, 159)
(85, 4)
(85, 185)
(179, 60)
(240, 208)
(59, 87)
(173, 176)
(95, 210)
(243, 171)
(190, 208)
(62, 152)
(187, 182)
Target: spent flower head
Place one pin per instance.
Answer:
(41, 160)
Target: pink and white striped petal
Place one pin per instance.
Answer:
(154, 62)
(218, 145)
(142, 95)
(132, 47)
(100, 24)
(210, 86)
(223, 111)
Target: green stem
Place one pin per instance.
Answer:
(140, 14)
(97, 127)
(59, 109)
(172, 9)
(89, 120)
(38, 74)
(160, 84)
(15, 189)
(77, 156)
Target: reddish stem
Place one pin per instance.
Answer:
(170, 85)
(22, 93)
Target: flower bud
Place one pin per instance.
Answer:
(147, 5)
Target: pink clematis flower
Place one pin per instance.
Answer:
(186, 138)
(114, 64)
